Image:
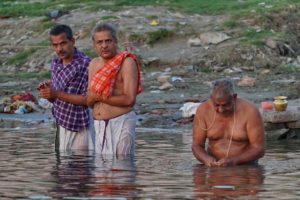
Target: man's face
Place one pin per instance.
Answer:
(224, 105)
(63, 47)
(105, 45)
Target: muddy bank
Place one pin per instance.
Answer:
(181, 55)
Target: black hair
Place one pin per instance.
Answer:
(62, 28)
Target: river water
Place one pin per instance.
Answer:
(162, 168)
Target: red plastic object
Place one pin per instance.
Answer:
(267, 105)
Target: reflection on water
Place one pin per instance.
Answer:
(163, 168)
(232, 182)
(81, 174)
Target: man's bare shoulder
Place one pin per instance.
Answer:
(203, 108)
(129, 63)
(96, 63)
(248, 107)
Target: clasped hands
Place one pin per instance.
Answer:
(46, 91)
(223, 162)
(92, 98)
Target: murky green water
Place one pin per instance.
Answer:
(163, 168)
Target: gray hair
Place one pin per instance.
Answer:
(105, 27)
(223, 87)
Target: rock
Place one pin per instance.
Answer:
(213, 37)
(163, 78)
(165, 86)
(159, 111)
(276, 134)
(284, 81)
(247, 81)
(55, 14)
(271, 43)
(152, 62)
(187, 120)
(293, 124)
(265, 71)
(273, 126)
(194, 42)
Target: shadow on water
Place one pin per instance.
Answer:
(162, 168)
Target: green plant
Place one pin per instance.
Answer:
(23, 76)
(21, 57)
(255, 37)
(44, 25)
(160, 34)
(231, 23)
(205, 69)
(285, 69)
(109, 17)
(90, 53)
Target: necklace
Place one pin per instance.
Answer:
(232, 131)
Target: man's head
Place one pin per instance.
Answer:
(105, 40)
(62, 41)
(223, 96)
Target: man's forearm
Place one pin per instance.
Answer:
(75, 99)
(201, 155)
(252, 154)
(120, 101)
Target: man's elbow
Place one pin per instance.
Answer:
(130, 102)
(262, 152)
(194, 148)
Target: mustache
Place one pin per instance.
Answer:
(61, 52)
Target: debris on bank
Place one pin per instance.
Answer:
(22, 104)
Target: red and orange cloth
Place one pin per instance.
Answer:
(104, 80)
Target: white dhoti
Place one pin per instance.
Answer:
(70, 140)
(116, 136)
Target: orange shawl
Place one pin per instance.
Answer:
(104, 80)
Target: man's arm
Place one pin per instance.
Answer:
(256, 139)
(129, 73)
(256, 136)
(199, 138)
(50, 94)
(91, 99)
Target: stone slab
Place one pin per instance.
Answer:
(273, 126)
(293, 124)
(292, 114)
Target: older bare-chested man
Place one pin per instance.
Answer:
(114, 82)
(232, 125)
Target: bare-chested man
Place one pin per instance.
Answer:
(114, 82)
(233, 127)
